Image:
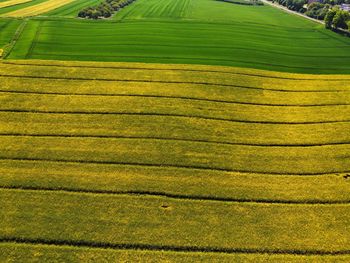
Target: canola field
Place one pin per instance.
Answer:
(175, 131)
(151, 162)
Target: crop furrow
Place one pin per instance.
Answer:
(174, 196)
(169, 139)
(150, 247)
(170, 115)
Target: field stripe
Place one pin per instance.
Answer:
(172, 97)
(34, 41)
(167, 58)
(231, 48)
(149, 247)
(168, 139)
(175, 196)
(161, 81)
(217, 30)
(171, 68)
(170, 115)
(191, 167)
(13, 2)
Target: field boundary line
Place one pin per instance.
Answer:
(171, 97)
(139, 193)
(9, 47)
(149, 247)
(203, 168)
(163, 82)
(310, 145)
(34, 41)
(167, 114)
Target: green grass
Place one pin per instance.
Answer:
(8, 28)
(189, 31)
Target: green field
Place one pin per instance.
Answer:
(187, 31)
(257, 171)
(8, 28)
(174, 131)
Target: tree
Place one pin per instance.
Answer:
(328, 20)
(340, 18)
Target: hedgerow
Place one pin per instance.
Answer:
(104, 10)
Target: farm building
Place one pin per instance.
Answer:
(313, 1)
(345, 7)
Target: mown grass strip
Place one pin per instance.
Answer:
(231, 48)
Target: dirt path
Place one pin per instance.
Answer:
(292, 12)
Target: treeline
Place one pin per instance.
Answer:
(243, 2)
(295, 5)
(332, 15)
(104, 9)
(328, 10)
(336, 18)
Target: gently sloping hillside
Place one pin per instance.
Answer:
(192, 32)
(126, 161)
(275, 48)
(12, 8)
(38, 9)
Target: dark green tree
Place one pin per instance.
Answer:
(328, 20)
